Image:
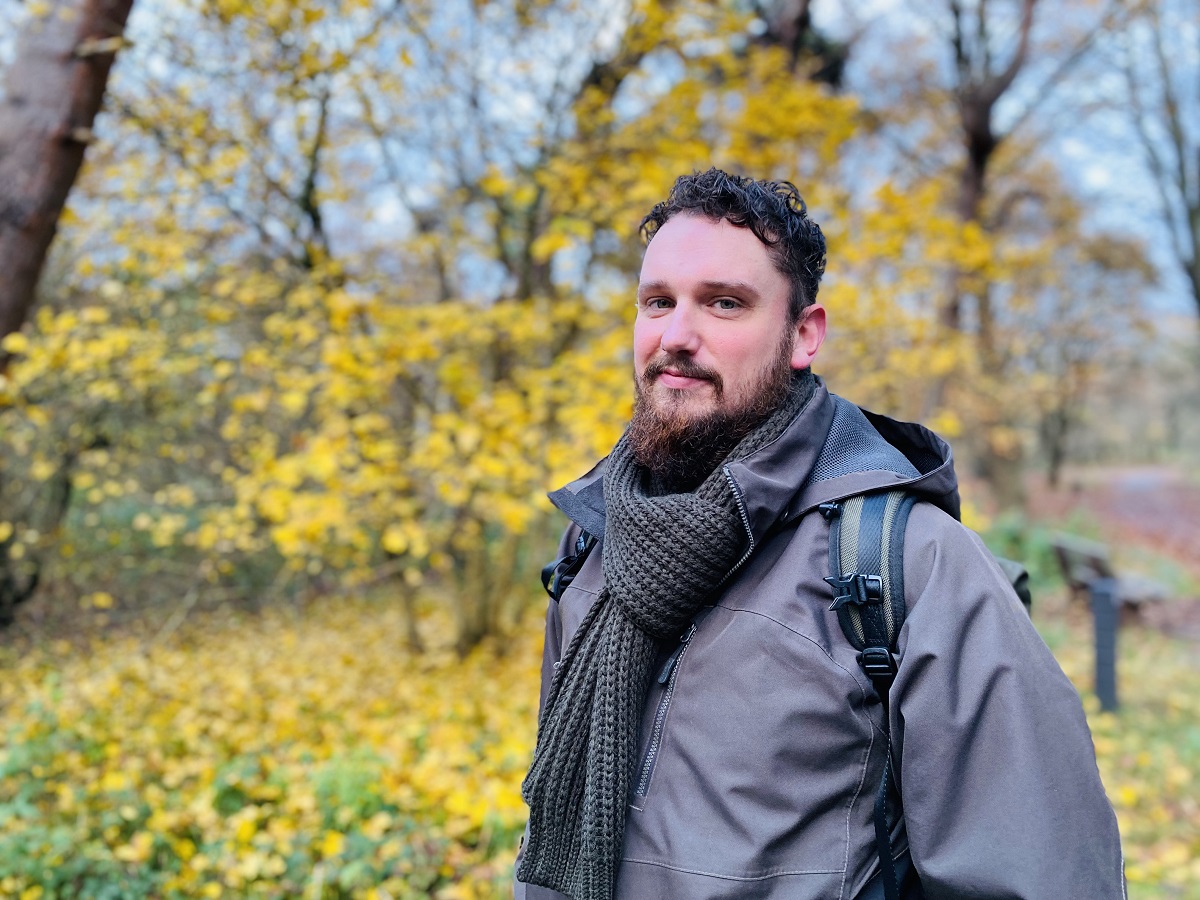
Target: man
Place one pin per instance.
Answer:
(706, 730)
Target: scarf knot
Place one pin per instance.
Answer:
(664, 555)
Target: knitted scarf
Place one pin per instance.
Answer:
(664, 558)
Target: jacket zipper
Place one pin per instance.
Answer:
(667, 676)
(741, 505)
(670, 669)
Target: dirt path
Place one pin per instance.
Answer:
(1157, 507)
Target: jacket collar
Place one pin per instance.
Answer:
(830, 451)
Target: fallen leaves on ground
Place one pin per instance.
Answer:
(313, 755)
(275, 756)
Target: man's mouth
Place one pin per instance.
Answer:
(681, 379)
(679, 374)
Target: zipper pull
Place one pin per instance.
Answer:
(669, 666)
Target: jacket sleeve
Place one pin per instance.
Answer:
(1001, 794)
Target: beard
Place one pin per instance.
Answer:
(681, 448)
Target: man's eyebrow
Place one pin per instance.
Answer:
(741, 288)
(652, 287)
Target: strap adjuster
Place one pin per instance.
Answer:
(854, 588)
(879, 664)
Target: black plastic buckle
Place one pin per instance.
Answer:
(879, 664)
(830, 511)
(552, 574)
(854, 588)
(558, 575)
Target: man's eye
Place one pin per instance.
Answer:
(658, 303)
(727, 303)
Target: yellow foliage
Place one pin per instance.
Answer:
(223, 393)
(1147, 754)
(250, 752)
(100, 600)
(255, 751)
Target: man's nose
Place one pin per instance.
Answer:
(682, 334)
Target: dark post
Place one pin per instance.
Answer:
(1104, 613)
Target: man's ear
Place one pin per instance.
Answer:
(810, 334)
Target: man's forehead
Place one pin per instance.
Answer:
(695, 249)
(687, 232)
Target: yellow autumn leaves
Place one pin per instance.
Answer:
(1149, 754)
(271, 407)
(325, 434)
(325, 761)
(312, 755)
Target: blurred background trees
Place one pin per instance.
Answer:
(344, 286)
(1157, 57)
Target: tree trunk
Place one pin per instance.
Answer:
(1055, 427)
(1193, 269)
(980, 83)
(789, 25)
(980, 143)
(53, 91)
(1004, 473)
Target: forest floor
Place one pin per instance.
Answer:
(1149, 750)
(307, 752)
(1152, 506)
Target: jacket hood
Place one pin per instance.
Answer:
(830, 451)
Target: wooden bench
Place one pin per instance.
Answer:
(1083, 562)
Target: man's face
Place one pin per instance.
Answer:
(712, 344)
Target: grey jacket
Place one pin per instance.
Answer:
(761, 741)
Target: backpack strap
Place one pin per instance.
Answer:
(558, 575)
(1018, 577)
(866, 565)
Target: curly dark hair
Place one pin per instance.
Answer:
(773, 210)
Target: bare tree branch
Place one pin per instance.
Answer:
(307, 200)
(1168, 154)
